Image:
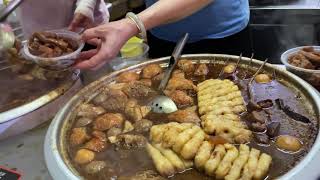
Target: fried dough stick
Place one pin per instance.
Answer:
(250, 168)
(226, 163)
(169, 137)
(238, 164)
(162, 164)
(263, 166)
(172, 157)
(203, 155)
(215, 159)
(184, 137)
(190, 149)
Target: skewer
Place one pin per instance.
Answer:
(221, 72)
(258, 71)
(238, 62)
(7, 67)
(248, 66)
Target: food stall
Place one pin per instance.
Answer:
(287, 97)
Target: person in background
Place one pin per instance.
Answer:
(39, 15)
(215, 26)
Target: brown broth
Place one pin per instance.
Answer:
(134, 161)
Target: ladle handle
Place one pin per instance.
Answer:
(173, 61)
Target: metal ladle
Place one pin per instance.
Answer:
(162, 103)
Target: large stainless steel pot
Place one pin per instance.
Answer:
(60, 166)
(33, 113)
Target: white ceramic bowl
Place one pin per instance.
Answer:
(305, 74)
(61, 62)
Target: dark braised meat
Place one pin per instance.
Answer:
(107, 121)
(96, 145)
(150, 71)
(134, 111)
(90, 111)
(138, 90)
(186, 66)
(273, 129)
(127, 77)
(129, 141)
(78, 136)
(181, 98)
(261, 138)
(143, 125)
(46, 44)
(202, 70)
(299, 60)
(180, 84)
(111, 99)
(186, 115)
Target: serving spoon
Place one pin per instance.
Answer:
(162, 103)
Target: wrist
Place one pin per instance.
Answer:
(130, 27)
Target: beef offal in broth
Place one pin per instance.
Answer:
(126, 163)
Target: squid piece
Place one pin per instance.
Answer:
(226, 163)
(162, 164)
(238, 164)
(215, 159)
(263, 166)
(172, 157)
(251, 166)
(190, 149)
(203, 155)
(184, 137)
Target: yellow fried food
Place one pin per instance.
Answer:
(250, 167)
(232, 104)
(172, 157)
(220, 102)
(190, 149)
(226, 163)
(214, 160)
(263, 166)
(187, 145)
(184, 137)
(238, 164)
(162, 164)
(233, 131)
(203, 155)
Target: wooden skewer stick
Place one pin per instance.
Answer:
(222, 72)
(248, 66)
(258, 71)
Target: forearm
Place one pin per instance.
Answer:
(166, 11)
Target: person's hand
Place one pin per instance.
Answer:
(80, 21)
(109, 38)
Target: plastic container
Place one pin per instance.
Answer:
(138, 52)
(310, 75)
(61, 62)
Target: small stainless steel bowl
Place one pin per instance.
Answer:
(305, 74)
